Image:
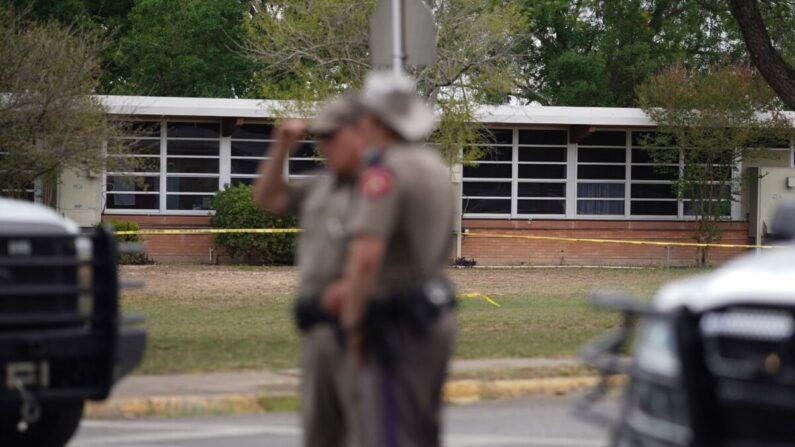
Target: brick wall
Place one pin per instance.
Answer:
(179, 248)
(494, 251)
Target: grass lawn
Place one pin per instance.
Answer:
(203, 318)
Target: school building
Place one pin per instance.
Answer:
(554, 172)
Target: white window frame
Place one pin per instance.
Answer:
(224, 173)
(572, 181)
(511, 180)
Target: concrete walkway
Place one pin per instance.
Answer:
(284, 381)
(258, 391)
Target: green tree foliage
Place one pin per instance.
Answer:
(714, 119)
(311, 50)
(48, 121)
(595, 52)
(234, 208)
(181, 48)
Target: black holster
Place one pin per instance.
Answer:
(410, 311)
(307, 313)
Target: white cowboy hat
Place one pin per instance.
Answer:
(393, 99)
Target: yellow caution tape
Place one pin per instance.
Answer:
(464, 296)
(468, 234)
(614, 241)
(209, 231)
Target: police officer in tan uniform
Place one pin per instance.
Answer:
(325, 205)
(397, 308)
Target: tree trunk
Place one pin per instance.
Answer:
(776, 71)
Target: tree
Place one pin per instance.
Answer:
(48, 120)
(768, 60)
(596, 52)
(310, 50)
(712, 132)
(181, 48)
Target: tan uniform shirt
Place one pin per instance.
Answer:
(408, 201)
(325, 207)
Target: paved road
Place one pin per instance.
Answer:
(543, 421)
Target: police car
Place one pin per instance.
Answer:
(62, 340)
(713, 357)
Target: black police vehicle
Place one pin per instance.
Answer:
(712, 357)
(62, 340)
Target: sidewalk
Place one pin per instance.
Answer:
(253, 391)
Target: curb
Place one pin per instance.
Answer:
(456, 392)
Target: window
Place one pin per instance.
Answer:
(250, 144)
(653, 172)
(487, 184)
(133, 178)
(193, 157)
(175, 167)
(602, 174)
(542, 167)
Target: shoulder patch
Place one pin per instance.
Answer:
(376, 182)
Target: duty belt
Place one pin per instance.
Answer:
(308, 313)
(411, 310)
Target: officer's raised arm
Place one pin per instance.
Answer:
(271, 191)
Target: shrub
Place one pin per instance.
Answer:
(235, 208)
(129, 258)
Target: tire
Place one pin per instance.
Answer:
(57, 425)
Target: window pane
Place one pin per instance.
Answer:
(542, 171)
(304, 166)
(244, 180)
(193, 165)
(642, 191)
(143, 128)
(770, 141)
(689, 207)
(664, 156)
(600, 207)
(132, 201)
(656, 139)
(487, 206)
(253, 132)
(174, 202)
(249, 148)
(542, 154)
(194, 130)
(188, 147)
(498, 136)
(541, 206)
(493, 189)
(245, 166)
(129, 183)
(642, 208)
(133, 164)
(600, 190)
(496, 153)
(655, 172)
(140, 147)
(306, 150)
(542, 190)
(605, 138)
(601, 155)
(708, 191)
(484, 170)
(601, 172)
(192, 184)
(542, 137)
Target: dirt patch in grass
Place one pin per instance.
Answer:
(189, 282)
